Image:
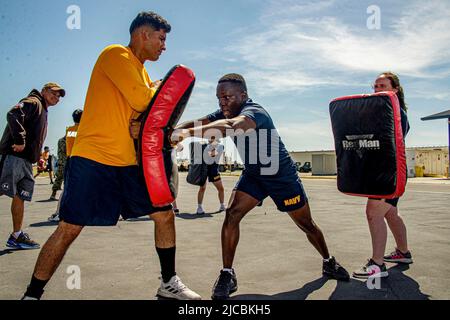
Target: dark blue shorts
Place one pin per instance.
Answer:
(96, 194)
(213, 173)
(287, 192)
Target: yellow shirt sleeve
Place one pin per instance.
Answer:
(118, 66)
(118, 91)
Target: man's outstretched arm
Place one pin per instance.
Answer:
(135, 126)
(226, 127)
(190, 124)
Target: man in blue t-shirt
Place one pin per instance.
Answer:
(269, 171)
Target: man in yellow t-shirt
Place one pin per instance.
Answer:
(103, 180)
(64, 150)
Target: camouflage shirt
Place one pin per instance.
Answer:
(62, 157)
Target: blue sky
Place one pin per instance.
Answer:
(295, 55)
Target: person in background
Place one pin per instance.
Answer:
(380, 211)
(65, 145)
(20, 147)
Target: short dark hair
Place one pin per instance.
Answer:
(76, 115)
(152, 19)
(234, 78)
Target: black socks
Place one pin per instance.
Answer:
(167, 261)
(36, 288)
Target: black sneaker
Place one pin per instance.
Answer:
(334, 270)
(23, 242)
(225, 285)
(371, 269)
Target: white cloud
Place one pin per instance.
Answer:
(199, 54)
(430, 94)
(280, 8)
(294, 52)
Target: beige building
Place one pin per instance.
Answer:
(322, 162)
(431, 161)
(426, 161)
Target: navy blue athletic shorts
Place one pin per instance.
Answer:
(213, 173)
(287, 192)
(96, 194)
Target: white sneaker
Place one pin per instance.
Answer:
(200, 210)
(54, 217)
(175, 289)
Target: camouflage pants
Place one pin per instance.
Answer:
(59, 177)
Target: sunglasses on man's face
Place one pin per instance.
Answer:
(56, 93)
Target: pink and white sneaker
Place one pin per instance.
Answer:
(399, 257)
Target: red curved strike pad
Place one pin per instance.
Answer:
(370, 149)
(157, 122)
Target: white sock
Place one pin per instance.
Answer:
(230, 270)
(17, 234)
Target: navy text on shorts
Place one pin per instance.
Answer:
(287, 193)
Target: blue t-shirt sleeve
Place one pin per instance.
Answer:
(405, 122)
(259, 116)
(217, 115)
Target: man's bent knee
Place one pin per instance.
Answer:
(306, 224)
(303, 219)
(65, 233)
(69, 230)
(233, 216)
(163, 217)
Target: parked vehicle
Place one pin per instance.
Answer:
(306, 167)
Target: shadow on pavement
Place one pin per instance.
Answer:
(190, 216)
(7, 251)
(397, 286)
(218, 211)
(47, 200)
(44, 224)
